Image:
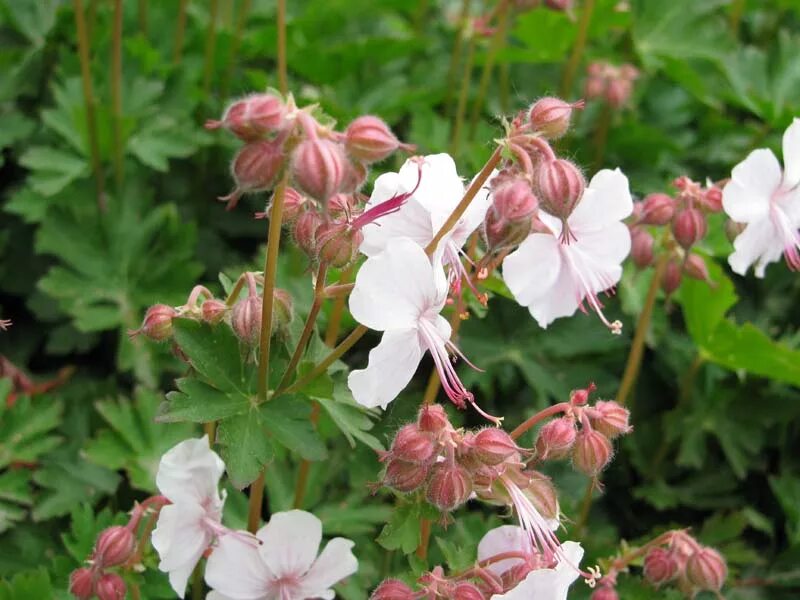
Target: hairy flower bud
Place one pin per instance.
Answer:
(688, 226)
(581, 397)
(433, 418)
(712, 199)
(110, 587)
(449, 487)
(157, 323)
(556, 438)
(355, 175)
(706, 569)
(618, 92)
(592, 452)
(514, 200)
(412, 445)
(671, 280)
(255, 168)
(604, 592)
(369, 139)
(81, 583)
(293, 204)
(551, 116)
(337, 243)
(253, 117)
(467, 591)
(542, 493)
(114, 546)
(695, 267)
(559, 185)
(246, 319)
(305, 231)
(392, 589)
(318, 167)
(213, 310)
(610, 418)
(657, 209)
(405, 476)
(642, 247)
(660, 566)
(493, 446)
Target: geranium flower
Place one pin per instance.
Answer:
(548, 584)
(437, 191)
(553, 275)
(285, 565)
(768, 202)
(400, 292)
(188, 476)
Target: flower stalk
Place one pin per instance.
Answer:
(577, 50)
(116, 93)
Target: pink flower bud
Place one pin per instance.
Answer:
(542, 493)
(514, 200)
(712, 199)
(318, 167)
(551, 116)
(405, 476)
(688, 227)
(556, 438)
(433, 418)
(305, 231)
(369, 139)
(618, 92)
(412, 445)
(157, 323)
(213, 310)
(581, 397)
(629, 72)
(595, 87)
(706, 569)
(337, 243)
(255, 168)
(110, 587)
(340, 206)
(246, 319)
(592, 452)
(695, 267)
(660, 566)
(449, 487)
(610, 419)
(253, 117)
(493, 446)
(671, 280)
(392, 589)
(642, 247)
(559, 5)
(658, 209)
(467, 591)
(605, 592)
(114, 546)
(293, 204)
(559, 186)
(355, 175)
(502, 233)
(81, 583)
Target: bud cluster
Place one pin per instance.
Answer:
(610, 83)
(685, 214)
(556, 5)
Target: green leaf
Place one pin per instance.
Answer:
(68, 481)
(214, 353)
(246, 447)
(32, 18)
(786, 488)
(84, 528)
(26, 428)
(53, 169)
(26, 586)
(198, 402)
(163, 139)
(351, 419)
(403, 532)
(15, 497)
(287, 419)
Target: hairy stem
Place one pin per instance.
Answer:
(116, 94)
(255, 502)
(180, 28)
(455, 56)
(538, 418)
(211, 44)
(586, 505)
(461, 107)
(143, 17)
(241, 19)
(283, 79)
(424, 539)
(577, 50)
(335, 320)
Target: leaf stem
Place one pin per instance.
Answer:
(461, 106)
(211, 43)
(255, 502)
(116, 94)
(180, 28)
(577, 50)
(455, 56)
(538, 418)
(241, 19)
(424, 538)
(143, 17)
(335, 320)
(283, 79)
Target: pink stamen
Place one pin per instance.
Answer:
(392, 205)
(586, 291)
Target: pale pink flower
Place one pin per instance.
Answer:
(553, 274)
(188, 476)
(284, 566)
(768, 202)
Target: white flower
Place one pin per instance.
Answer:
(768, 202)
(552, 274)
(188, 476)
(437, 191)
(284, 566)
(400, 292)
(503, 540)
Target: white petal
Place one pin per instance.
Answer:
(180, 539)
(212, 595)
(561, 300)
(412, 221)
(532, 269)
(760, 244)
(753, 181)
(394, 287)
(791, 154)
(548, 584)
(607, 199)
(440, 188)
(236, 570)
(507, 538)
(334, 564)
(190, 471)
(602, 252)
(392, 364)
(291, 541)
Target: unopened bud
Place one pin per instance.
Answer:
(712, 199)
(551, 116)
(355, 175)
(657, 209)
(542, 493)
(246, 319)
(110, 587)
(253, 117)
(660, 566)
(293, 204)
(81, 583)
(642, 247)
(706, 569)
(688, 226)
(559, 186)
(592, 452)
(157, 323)
(305, 231)
(213, 310)
(337, 243)
(467, 591)
(412, 445)
(369, 139)
(405, 476)
(493, 446)
(255, 168)
(581, 397)
(449, 487)
(392, 589)
(115, 546)
(605, 592)
(610, 418)
(595, 86)
(433, 418)
(318, 167)
(556, 438)
(340, 205)
(514, 200)
(618, 92)
(671, 280)
(695, 267)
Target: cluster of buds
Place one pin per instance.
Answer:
(533, 176)
(115, 548)
(565, 6)
(244, 317)
(674, 558)
(685, 214)
(610, 83)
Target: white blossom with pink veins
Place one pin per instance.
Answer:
(540, 583)
(553, 274)
(188, 476)
(284, 566)
(768, 203)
